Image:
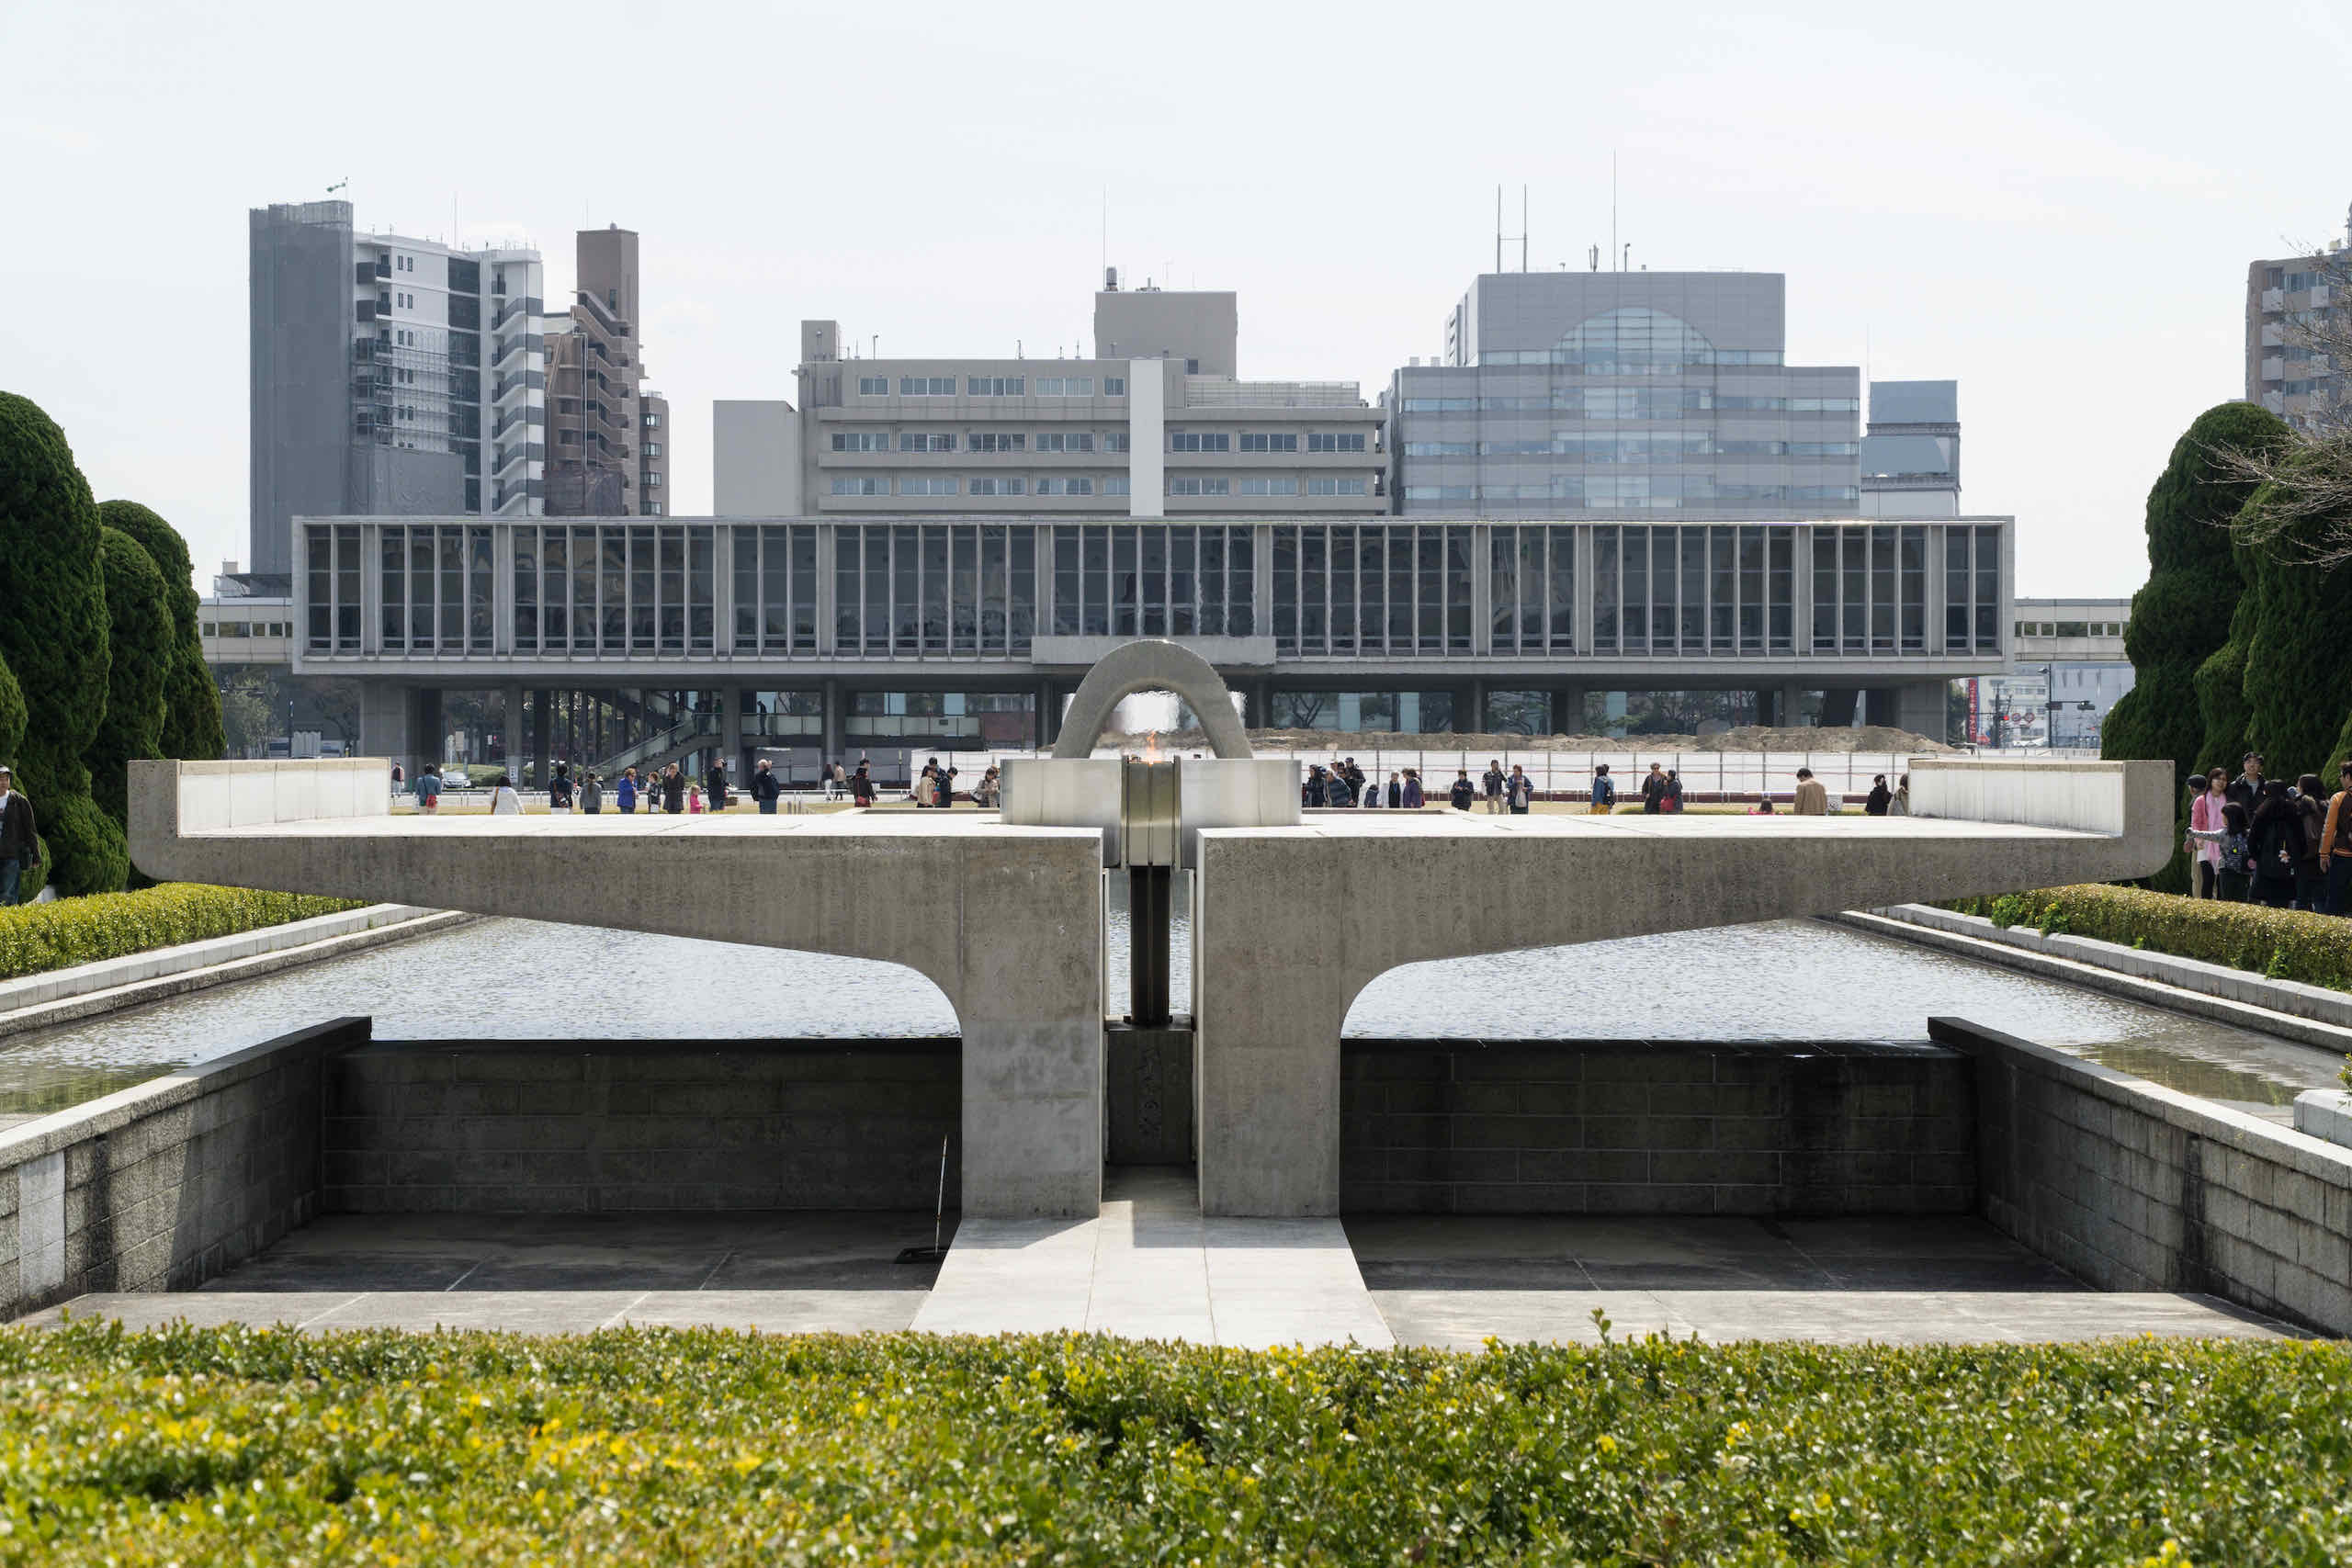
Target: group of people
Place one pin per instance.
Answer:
(2262, 841)
(1343, 785)
(667, 789)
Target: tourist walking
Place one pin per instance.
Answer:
(2208, 795)
(19, 839)
(1519, 790)
(1604, 790)
(1464, 792)
(503, 801)
(624, 792)
(860, 784)
(592, 794)
(674, 790)
(1673, 801)
(1654, 791)
(1494, 785)
(1879, 797)
(1812, 795)
(2310, 878)
(715, 784)
(560, 788)
(1396, 790)
(765, 788)
(1902, 804)
(1414, 798)
(1372, 799)
(2276, 835)
(428, 789)
(2336, 845)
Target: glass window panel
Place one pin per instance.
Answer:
(394, 544)
(1723, 588)
(992, 590)
(1956, 619)
(1634, 573)
(1663, 566)
(1604, 589)
(1122, 582)
(1181, 543)
(423, 585)
(1313, 589)
(906, 591)
(1153, 541)
(746, 543)
(346, 589)
(527, 590)
(452, 590)
(319, 564)
(1781, 592)
(1502, 589)
(1883, 591)
(1914, 566)
(1751, 590)
(964, 590)
(1988, 588)
(1213, 581)
(613, 587)
(1429, 543)
(702, 588)
(1286, 589)
(1242, 581)
(1095, 616)
(481, 591)
(804, 587)
(849, 586)
(878, 580)
(775, 590)
(1853, 590)
(1024, 616)
(1343, 588)
(554, 578)
(935, 584)
(672, 590)
(1400, 587)
(1066, 582)
(1693, 608)
(1824, 590)
(1560, 592)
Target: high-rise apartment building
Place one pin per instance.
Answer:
(1579, 394)
(2285, 371)
(606, 440)
(1911, 450)
(1156, 425)
(390, 375)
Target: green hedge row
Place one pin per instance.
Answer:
(220, 1445)
(2284, 945)
(35, 938)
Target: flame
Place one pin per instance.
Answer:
(1151, 747)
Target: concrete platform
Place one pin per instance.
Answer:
(1151, 1266)
(1453, 1283)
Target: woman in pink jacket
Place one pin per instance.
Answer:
(2205, 813)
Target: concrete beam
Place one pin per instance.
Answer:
(1006, 921)
(1271, 990)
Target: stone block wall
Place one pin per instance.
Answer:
(2133, 1187)
(1458, 1126)
(164, 1185)
(573, 1127)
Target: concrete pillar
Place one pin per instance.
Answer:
(1477, 718)
(1568, 711)
(1922, 707)
(1045, 727)
(831, 701)
(384, 715)
(1878, 705)
(1837, 707)
(513, 729)
(1261, 701)
(730, 735)
(542, 707)
(1791, 710)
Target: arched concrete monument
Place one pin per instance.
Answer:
(1151, 666)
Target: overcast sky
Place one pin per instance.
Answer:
(2055, 204)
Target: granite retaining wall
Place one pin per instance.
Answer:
(557, 1126)
(1458, 1126)
(2133, 1187)
(164, 1185)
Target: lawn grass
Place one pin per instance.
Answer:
(226, 1446)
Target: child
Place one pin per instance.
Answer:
(694, 800)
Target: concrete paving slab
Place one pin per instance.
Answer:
(154, 1309)
(780, 1312)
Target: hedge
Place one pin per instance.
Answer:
(36, 938)
(234, 1445)
(139, 615)
(192, 703)
(2284, 945)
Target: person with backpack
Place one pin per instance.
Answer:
(1604, 790)
(2311, 881)
(2276, 829)
(428, 788)
(766, 790)
(2234, 870)
(560, 788)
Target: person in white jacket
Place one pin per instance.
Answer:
(503, 801)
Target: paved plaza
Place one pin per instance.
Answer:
(1152, 1268)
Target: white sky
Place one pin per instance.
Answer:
(2054, 203)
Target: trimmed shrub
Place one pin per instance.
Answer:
(53, 636)
(2221, 696)
(36, 938)
(139, 619)
(191, 702)
(204, 1446)
(2285, 944)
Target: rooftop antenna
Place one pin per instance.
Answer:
(1591, 257)
(1520, 236)
(1612, 204)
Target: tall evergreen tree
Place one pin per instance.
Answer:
(2181, 618)
(2221, 708)
(53, 636)
(139, 615)
(2297, 682)
(191, 702)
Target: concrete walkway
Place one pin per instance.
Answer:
(1451, 1281)
(1152, 1268)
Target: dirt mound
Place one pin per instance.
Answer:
(1870, 738)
